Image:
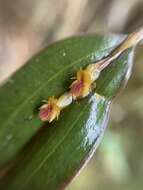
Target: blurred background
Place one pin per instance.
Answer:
(26, 26)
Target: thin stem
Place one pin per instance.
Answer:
(132, 40)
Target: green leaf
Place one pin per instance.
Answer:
(55, 154)
(45, 75)
(58, 150)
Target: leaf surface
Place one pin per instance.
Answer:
(45, 75)
(59, 149)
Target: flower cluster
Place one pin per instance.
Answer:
(80, 88)
(84, 80)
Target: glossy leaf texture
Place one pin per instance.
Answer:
(47, 74)
(56, 153)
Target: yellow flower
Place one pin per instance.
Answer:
(81, 87)
(49, 111)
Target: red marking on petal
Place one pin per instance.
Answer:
(45, 113)
(77, 88)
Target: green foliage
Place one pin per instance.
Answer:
(59, 149)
